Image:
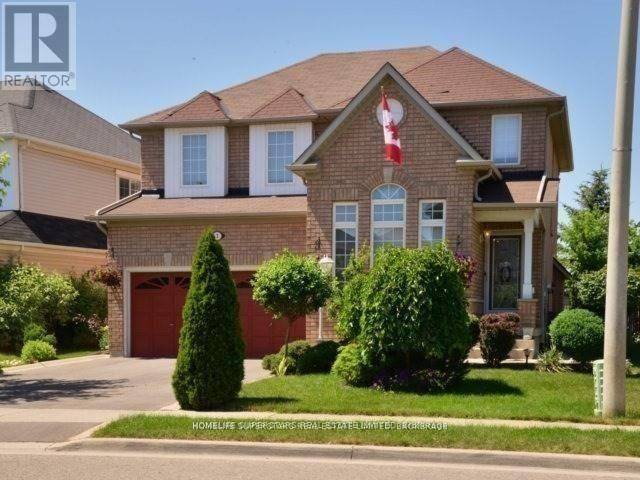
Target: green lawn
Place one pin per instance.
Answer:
(10, 359)
(484, 393)
(555, 440)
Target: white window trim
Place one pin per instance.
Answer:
(266, 154)
(432, 223)
(389, 224)
(129, 176)
(337, 225)
(493, 121)
(206, 170)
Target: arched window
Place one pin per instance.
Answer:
(388, 204)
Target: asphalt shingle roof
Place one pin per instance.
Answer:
(46, 114)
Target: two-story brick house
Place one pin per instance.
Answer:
(295, 159)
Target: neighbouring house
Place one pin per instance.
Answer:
(64, 163)
(295, 159)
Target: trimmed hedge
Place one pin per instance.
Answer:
(498, 336)
(578, 334)
(210, 365)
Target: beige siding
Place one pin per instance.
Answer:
(52, 258)
(60, 186)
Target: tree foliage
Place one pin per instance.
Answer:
(290, 286)
(415, 303)
(209, 369)
(593, 194)
(29, 295)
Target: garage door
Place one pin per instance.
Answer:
(156, 316)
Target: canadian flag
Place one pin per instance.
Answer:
(390, 129)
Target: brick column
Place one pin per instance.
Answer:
(529, 311)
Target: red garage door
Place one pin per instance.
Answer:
(156, 316)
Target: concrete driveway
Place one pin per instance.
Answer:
(54, 401)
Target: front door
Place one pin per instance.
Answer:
(504, 279)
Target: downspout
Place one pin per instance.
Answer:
(477, 184)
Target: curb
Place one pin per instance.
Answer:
(343, 453)
(54, 363)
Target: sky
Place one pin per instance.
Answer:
(136, 57)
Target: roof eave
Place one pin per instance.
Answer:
(196, 216)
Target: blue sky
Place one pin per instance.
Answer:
(135, 57)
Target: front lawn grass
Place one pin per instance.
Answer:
(484, 393)
(553, 440)
(12, 360)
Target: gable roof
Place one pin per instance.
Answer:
(388, 70)
(45, 114)
(203, 108)
(289, 104)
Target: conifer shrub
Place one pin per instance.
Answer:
(209, 368)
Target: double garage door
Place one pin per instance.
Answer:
(156, 316)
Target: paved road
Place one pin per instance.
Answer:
(36, 463)
(57, 401)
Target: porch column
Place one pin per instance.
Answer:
(527, 284)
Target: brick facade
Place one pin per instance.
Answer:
(351, 165)
(157, 245)
(152, 147)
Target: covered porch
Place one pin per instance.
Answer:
(514, 267)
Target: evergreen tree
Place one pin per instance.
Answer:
(209, 369)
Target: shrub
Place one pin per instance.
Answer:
(32, 296)
(319, 358)
(414, 306)
(270, 362)
(346, 304)
(103, 341)
(37, 351)
(209, 369)
(578, 334)
(290, 286)
(303, 358)
(551, 361)
(352, 366)
(497, 336)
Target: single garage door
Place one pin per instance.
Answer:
(156, 316)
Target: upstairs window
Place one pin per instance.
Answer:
(388, 216)
(505, 139)
(432, 222)
(345, 234)
(279, 156)
(127, 186)
(194, 159)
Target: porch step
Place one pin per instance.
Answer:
(516, 353)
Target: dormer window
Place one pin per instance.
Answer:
(194, 159)
(279, 156)
(506, 133)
